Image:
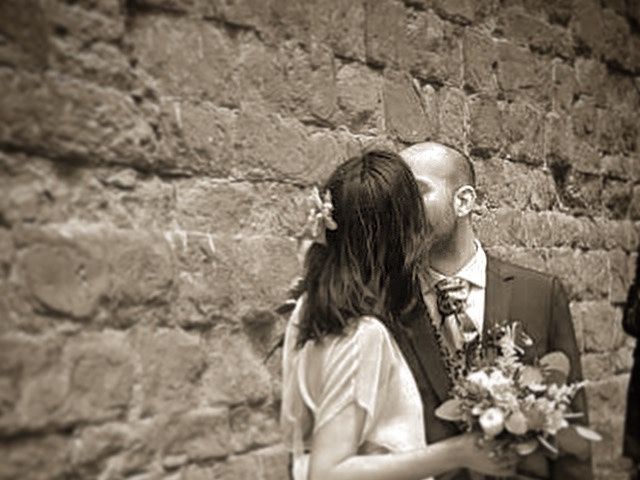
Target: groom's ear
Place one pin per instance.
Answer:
(464, 200)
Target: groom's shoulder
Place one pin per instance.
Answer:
(519, 272)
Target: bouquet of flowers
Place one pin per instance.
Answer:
(527, 405)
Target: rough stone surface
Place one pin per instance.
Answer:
(155, 159)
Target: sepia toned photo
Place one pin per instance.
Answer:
(319, 239)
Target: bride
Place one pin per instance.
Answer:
(350, 407)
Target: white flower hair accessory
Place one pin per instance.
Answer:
(320, 217)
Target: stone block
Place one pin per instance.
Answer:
(484, 124)
(618, 234)
(172, 363)
(622, 272)
(607, 399)
(621, 167)
(244, 13)
(600, 325)
(41, 191)
(75, 120)
(200, 434)
(269, 463)
(71, 268)
(226, 276)
(618, 40)
(87, 21)
(480, 61)
(95, 444)
(451, 110)
(187, 57)
(617, 131)
(592, 77)
(64, 276)
(360, 97)
(246, 379)
(634, 206)
(587, 25)
(273, 462)
(433, 48)
(596, 366)
(83, 42)
(565, 87)
(563, 230)
(509, 184)
(523, 128)
(385, 38)
(431, 103)
(253, 428)
(198, 136)
(584, 118)
(404, 114)
(26, 360)
(269, 145)
(100, 377)
(528, 30)
(623, 359)
(559, 138)
(240, 207)
(463, 11)
(308, 89)
(584, 274)
(616, 198)
(521, 72)
(39, 458)
(25, 23)
(341, 25)
(193, 7)
(90, 379)
(514, 227)
(577, 191)
(143, 266)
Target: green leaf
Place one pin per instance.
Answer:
(516, 423)
(530, 376)
(450, 410)
(587, 433)
(546, 444)
(569, 441)
(556, 362)
(526, 448)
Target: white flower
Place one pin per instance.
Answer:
(555, 421)
(320, 217)
(479, 378)
(492, 422)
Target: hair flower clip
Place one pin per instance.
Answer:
(320, 217)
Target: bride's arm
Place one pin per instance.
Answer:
(335, 444)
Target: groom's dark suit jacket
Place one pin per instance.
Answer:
(513, 293)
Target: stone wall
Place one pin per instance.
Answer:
(154, 160)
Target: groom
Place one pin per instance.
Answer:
(495, 291)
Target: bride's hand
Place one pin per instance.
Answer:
(488, 457)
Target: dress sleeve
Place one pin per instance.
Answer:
(294, 416)
(357, 368)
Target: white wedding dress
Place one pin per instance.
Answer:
(364, 366)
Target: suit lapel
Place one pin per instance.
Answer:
(423, 354)
(497, 295)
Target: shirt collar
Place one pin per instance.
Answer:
(474, 271)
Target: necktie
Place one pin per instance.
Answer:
(451, 296)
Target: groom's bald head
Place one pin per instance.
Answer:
(431, 158)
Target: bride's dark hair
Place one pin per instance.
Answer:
(370, 264)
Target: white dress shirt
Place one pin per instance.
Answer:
(474, 272)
